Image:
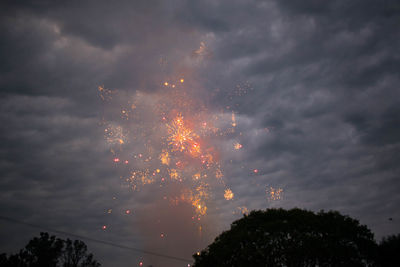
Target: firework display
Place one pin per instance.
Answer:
(169, 138)
(274, 193)
(175, 144)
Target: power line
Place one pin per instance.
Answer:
(8, 219)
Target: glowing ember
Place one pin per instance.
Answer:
(237, 146)
(233, 120)
(173, 173)
(164, 157)
(114, 135)
(196, 176)
(228, 195)
(243, 210)
(274, 193)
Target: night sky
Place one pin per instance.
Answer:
(314, 88)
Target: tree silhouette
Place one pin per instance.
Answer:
(295, 237)
(42, 251)
(49, 251)
(3, 259)
(389, 250)
(75, 254)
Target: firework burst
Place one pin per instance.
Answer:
(168, 145)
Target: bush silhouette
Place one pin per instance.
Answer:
(295, 237)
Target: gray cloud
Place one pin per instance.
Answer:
(314, 89)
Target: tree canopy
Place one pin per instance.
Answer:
(278, 237)
(49, 251)
(389, 251)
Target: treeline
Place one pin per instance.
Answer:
(296, 237)
(49, 251)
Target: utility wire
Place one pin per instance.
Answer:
(8, 219)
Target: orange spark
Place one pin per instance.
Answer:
(243, 210)
(228, 195)
(219, 174)
(196, 176)
(173, 174)
(233, 120)
(237, 146)
(274, 193)
(164, 157)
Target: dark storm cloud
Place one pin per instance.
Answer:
(377, 129)
(55, 167)
(320, 117)
(78, 46)
(325, 79)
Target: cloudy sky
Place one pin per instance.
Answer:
(314, 88)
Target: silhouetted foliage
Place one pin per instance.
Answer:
(49, 251)
(3, 259)
(295, 237)
(389, 251)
